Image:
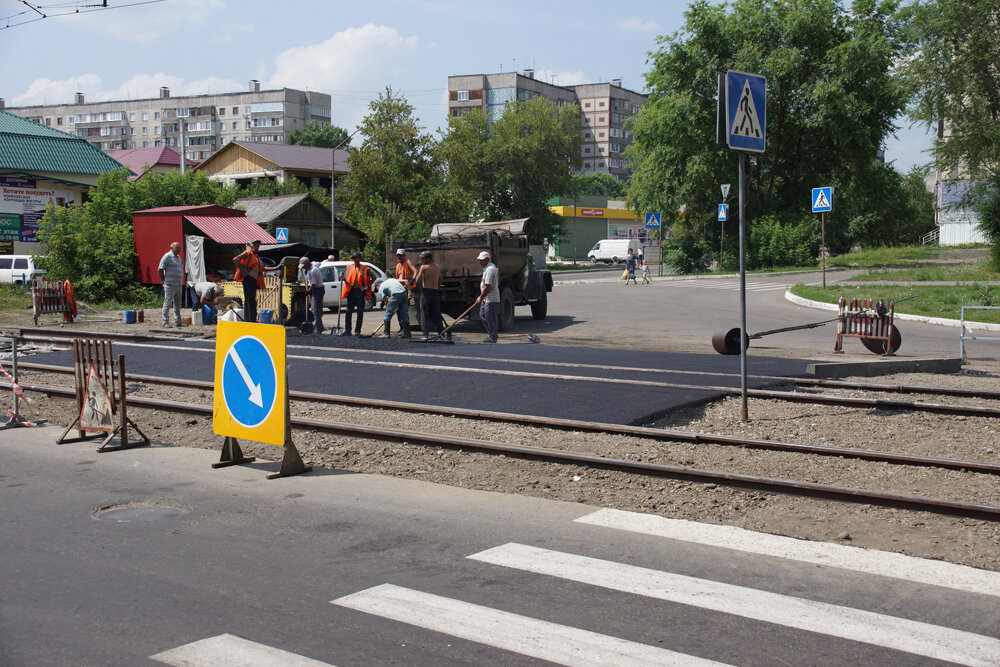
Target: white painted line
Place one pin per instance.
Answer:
(512, 632)
(883, 563)
(900, 634)
(232, 651)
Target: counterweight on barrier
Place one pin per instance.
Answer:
(49, 297)
(871, 322)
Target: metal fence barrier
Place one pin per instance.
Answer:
(961, 331)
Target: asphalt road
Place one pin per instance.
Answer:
(347, 569)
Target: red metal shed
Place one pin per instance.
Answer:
(154, 229)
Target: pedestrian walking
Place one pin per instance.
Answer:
(357, 289)
(630, 267)
(429, 281)
(171, 272)
(489, 298)
(645, 273)
(395, 300)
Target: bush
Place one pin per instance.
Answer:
(775, 243)
(988, 208)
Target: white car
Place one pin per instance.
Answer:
(332, 273)
(17, 269)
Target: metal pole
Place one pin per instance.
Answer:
(743, 303)
(722, 241)
(183, 151)
(13, 367)
(574, 230)
(333, 202)
(822, 250)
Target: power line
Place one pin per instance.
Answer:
(81, 7)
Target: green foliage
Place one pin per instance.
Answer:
(14, 298)
(988, 208)
(775, 243)
(329, 136)
(830, 106)
(932, 300)
(686, 250)
(511, 166)
(396, 186)
(598, 185)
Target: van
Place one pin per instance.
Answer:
(613, 250)
(16, 269)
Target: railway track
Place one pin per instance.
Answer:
(643, 468)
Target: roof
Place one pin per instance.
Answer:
(27, 145)
(265, 209)
(137, 158)
(296, 157)
(230, 230)
(181, 209)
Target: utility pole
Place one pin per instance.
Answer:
(333, 186)
(183, 151)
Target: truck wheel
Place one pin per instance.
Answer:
(615, 261)
(540, 307)
(593, 260)
(506, 310)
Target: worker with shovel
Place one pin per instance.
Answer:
(489, 298)
(395, 299)
(428, 279)
(357, 290)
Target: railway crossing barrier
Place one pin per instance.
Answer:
(962, 329)
(871, 322)
(50, 297)
(14, 408)
(98, 399)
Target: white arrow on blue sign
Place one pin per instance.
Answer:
(746, 111)
(249, 382)
(723, 212)
(822, 200)
(653, 220)
(281, 233)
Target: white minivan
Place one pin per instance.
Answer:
(613, 251)
(17, 269)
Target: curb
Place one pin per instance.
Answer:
(982, 326)
(843, 369)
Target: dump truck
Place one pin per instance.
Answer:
(524, 281)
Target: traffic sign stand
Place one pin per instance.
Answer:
(291, 462)
(232, 454)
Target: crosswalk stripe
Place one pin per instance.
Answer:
(883, 563)
(232, 651)
(854, 624)
(540, 639)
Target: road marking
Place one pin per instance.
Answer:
(232, 651)
(858, 625)
(540, 639)
(882, 563)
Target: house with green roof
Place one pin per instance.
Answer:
(40, 166)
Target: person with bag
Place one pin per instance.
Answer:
(630, 268)
(250, 271)
(357, 289)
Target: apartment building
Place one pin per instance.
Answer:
(208, 122)
(604, 110)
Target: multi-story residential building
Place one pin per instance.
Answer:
(604, 108)
(208, 121)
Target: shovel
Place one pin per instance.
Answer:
(440, 338)
(374, 332)
(532, 338)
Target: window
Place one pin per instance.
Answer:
(183, 113)
(156, 130)
(131, 118)
(131, 130)
(600, 164)
(600, 135)
(246, 109)
(236, 111)
(72, 120)
(586, 149)
(105, 131)
(601, 104)
(235, 125)
(59, 120)
(586, 105)
(131, 144)
(145, 116)
(463, 96)
(601, 119)
(267, 107)
(21, 263)
(48, 121)
(156, 115)
(586, 135)
(248, 125)
(5, 262)
(222, 111)
(145, 130)
(145, 144)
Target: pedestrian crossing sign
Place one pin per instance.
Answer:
(822, 200)
(281, 234)
(746, 111)
(723, 212)
(653, 220)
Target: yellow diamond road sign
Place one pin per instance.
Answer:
(249, 398)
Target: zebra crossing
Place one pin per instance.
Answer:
(537, 638)
(725, 285)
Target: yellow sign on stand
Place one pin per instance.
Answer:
(250, 393)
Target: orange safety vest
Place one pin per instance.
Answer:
(356, 276)
(405, 273)
(249, 261)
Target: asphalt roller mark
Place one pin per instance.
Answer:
(480, 377)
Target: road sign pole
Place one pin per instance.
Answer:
(822, 249)
(291, 462)
(744, 416)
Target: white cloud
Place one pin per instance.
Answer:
(60, 91)
(563, 78)
(638, 25)
(146, 23)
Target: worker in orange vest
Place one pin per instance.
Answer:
(250, 271)
(356, 287)
(405, 271)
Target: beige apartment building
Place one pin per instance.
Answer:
(208, 122)
(604, 109)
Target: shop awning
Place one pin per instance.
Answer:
(235, 230)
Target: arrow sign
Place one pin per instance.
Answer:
(725, 191)
(255, 395)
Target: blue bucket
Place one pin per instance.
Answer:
(266, 317)
(128, 316)
(207, 314)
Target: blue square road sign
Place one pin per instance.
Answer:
(281, 234)
(822, 200)
(746, 111)
(723, 212)
(653, 220)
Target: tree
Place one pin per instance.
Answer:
(511, 166)
(954, 80)
(396, 186)
(831, 100)
(599, 185)
(328, 136)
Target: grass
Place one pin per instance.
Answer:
(977, 271)
(931, 300)
(14, 298)
(884, 256)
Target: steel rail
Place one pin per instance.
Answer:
(599, 427)
(737, 480)
(35, 334)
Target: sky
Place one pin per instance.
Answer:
(350, 50)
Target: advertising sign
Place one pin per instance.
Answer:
(28, 205)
